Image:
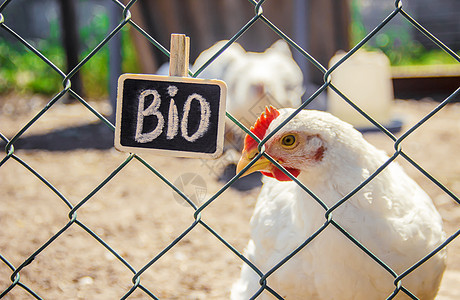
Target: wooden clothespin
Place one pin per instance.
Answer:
(179, 55)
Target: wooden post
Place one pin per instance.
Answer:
(71, 42)
(179, 55)
(115, 59)
(331, 36)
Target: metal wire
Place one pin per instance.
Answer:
(198, 221)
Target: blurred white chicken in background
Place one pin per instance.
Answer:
(391, 215)
(254, 79)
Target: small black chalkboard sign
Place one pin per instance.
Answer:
(176, 116)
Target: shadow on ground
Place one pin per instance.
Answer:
(88, 136)
(100, 136)
(246, 183)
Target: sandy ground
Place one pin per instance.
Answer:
(138, 215)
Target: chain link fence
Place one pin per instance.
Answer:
(136, 285)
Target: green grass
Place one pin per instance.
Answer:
(395, 40)
(403, 51)
(22, 71)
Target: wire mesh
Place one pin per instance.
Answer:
(136, 285)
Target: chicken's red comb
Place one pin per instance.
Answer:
(260, 127)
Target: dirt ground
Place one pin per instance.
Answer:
(138, 215)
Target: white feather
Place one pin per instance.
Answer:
(391, 216)
(254, 79)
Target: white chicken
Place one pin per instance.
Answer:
(254, 79)
(391, 216)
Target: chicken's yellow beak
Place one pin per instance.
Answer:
(262, 164)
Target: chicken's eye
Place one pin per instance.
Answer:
(288, 141)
